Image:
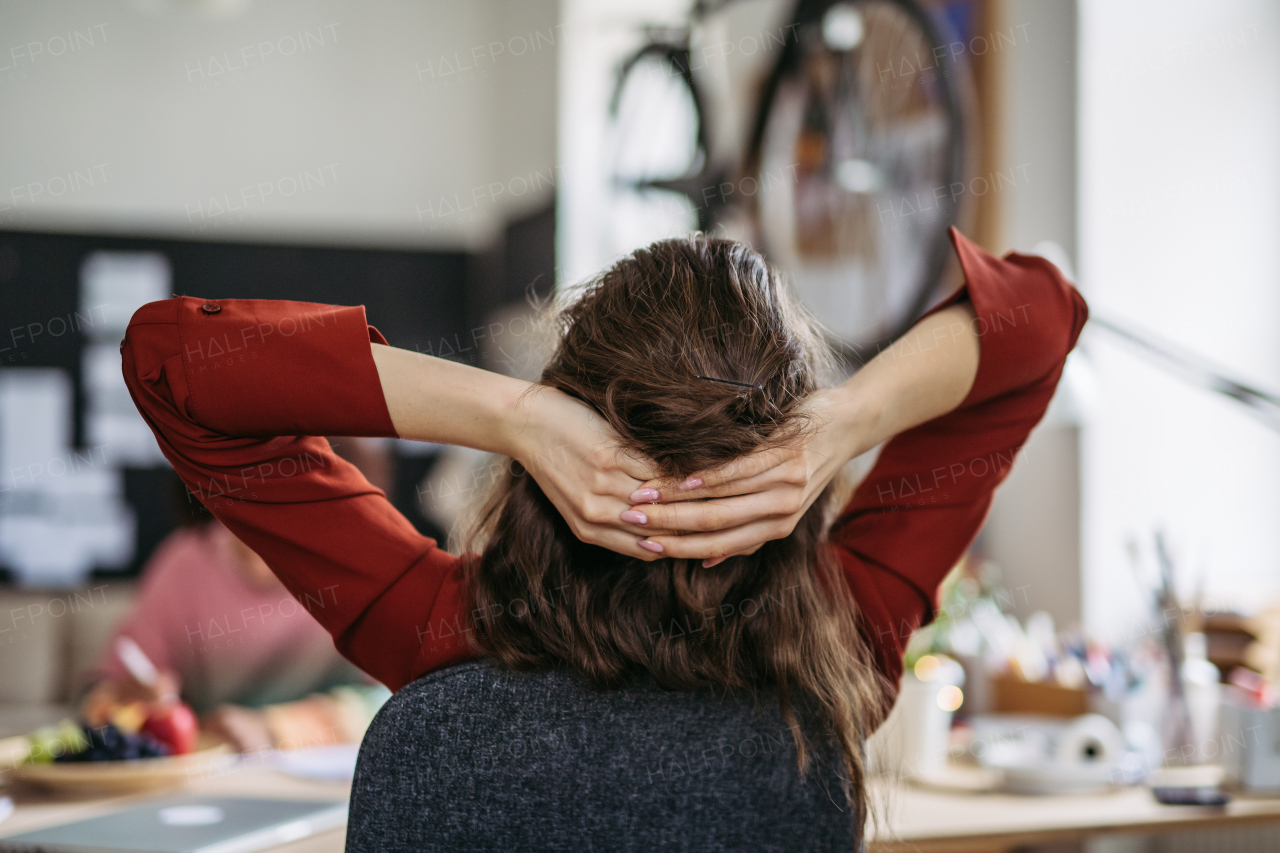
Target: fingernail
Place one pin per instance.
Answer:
(650, 546)
(632, 516)
(640, 496)
(691, 483)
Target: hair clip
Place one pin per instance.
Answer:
(759, 388)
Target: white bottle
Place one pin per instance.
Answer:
(1200, 680)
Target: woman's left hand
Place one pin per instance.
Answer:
(762, 496)
(738, 507)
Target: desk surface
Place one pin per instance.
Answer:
(916, 819)
(929, 821)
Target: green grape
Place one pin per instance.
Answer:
(50, 742)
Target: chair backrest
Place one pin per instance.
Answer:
(480, 758)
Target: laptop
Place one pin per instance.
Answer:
(187, 824)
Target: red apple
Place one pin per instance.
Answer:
(174, 724)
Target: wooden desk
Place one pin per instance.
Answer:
(925, 821)
(36, 809)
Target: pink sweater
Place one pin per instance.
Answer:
(228, 638)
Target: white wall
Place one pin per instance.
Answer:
(393, 122)
(598, 37)
(1036, 123)
(1180, 233)
(1033, 531)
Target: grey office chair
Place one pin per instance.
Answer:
(479, 758)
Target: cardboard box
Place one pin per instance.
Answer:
(1011, 695)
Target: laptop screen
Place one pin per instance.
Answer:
(188, 824)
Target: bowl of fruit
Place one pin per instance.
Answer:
(142, 747)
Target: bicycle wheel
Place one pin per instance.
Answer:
(856, 147)
(658, 146)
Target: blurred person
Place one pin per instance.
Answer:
(229, 640)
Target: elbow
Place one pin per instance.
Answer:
(150, 340)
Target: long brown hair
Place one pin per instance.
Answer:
(633, 344)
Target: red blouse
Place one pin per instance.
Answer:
(237, 392)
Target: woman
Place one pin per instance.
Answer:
(683, 398)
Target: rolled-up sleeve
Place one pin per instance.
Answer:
(923, 502)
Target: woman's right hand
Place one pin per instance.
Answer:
(580, 465)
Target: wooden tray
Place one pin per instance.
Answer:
(122, 777)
